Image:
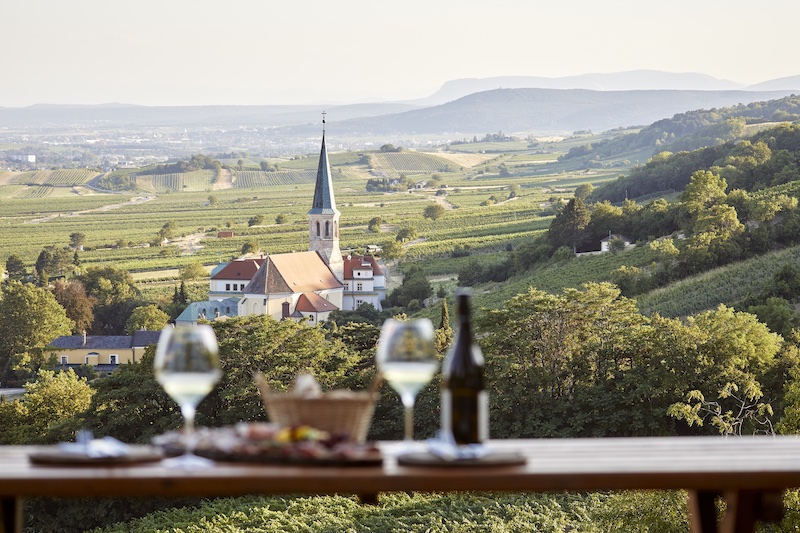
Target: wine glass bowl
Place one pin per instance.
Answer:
(406, 358)
(187, 366)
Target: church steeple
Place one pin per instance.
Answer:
(324, 200)
(323, 217)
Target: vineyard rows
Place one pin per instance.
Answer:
(257, 178)
(37, 192)
(411, 162)
(58, 178)
(199, 180)
(70, 177)
(725, 284)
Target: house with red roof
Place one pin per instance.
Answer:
(228, 280)
(364, 282)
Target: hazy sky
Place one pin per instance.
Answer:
(181, 52)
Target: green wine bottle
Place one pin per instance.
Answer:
(465, 404)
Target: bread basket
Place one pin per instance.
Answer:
(345, 413)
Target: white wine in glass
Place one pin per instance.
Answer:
(187, 367)
(406, 358)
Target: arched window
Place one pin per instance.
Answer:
(317, 229)
(327, 228)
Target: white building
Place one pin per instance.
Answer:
(228, 280)
(364, 282)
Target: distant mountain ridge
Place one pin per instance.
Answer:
(636, 80)
(780, 84)
(544, 111)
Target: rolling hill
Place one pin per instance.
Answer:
(546, 111)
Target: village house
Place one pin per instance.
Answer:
(228, 280)
(104, 353)
(364, 282)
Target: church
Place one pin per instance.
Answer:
(299, 285)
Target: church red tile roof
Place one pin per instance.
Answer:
(311, 302)
(239, 269)
(292, 273)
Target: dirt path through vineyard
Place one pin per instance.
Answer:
(224, 180)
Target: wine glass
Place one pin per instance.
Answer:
(406, 357)
(187, 367)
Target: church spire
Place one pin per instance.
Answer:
(323, 217)
(324, 201)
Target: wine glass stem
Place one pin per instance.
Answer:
(409, 425)
(188, 412)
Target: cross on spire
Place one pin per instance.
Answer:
(323, 122)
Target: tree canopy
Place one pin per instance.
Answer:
(30, 318)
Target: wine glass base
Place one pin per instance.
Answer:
(187, 461)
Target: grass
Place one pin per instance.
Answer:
(633, 512)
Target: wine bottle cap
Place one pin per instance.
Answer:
(462, 301)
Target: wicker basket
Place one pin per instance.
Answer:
(349, 414)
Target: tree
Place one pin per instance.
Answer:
(264, 166)
(562, 358)
(168, 230)
(282, 219)
(786, 281)
(392, 249)
(567, 227)
(616, 246)
(704, 189)
(52, 399)
(30, 318)
(583, 191)
(406, 234)
(250, 247)
(116, 296)
(374, 224)
(147, 317)
(52, 261)
(434, 211)
(415, 286)
(444, 333)
(778, 314)
(213, 200)
(15, 268)
(183, 294)
(193, 270)
(130, 405)
(78, 305)
(257, 220)
(77, 240)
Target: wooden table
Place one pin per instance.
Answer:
(750, 473)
